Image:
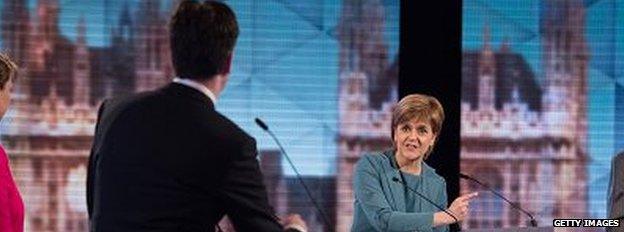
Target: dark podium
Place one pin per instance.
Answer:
(542, 229)
(514, 229)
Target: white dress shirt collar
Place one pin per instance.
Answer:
(198, 86)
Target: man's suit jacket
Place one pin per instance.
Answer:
(615, 199)
(167, 161)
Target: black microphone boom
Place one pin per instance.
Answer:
(427, 199)
(516, 206)
(262, 125)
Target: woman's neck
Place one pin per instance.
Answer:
(413, 167)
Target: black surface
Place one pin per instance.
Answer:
(430, 63)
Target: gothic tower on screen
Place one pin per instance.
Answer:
(153, 62)
(367, 91)
(62, 81)
(527, 140)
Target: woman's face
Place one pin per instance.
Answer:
(413, 138)
(5, 97)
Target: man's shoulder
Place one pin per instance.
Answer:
(159, 102)
(160, 106)
(227, 125)
(619, 159)
(130, 101)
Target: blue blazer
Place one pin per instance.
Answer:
(380, 202)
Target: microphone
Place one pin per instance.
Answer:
(264, 127)
(423, 197)
(515, 206)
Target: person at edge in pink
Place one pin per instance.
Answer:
(11, 205)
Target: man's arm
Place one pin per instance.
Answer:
(91, 164)
(244, 194)
(616, 187)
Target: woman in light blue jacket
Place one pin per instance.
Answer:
(387, 185)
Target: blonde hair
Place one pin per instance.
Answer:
(421, 107)
(8, 70)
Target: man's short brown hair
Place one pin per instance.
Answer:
(202, 37)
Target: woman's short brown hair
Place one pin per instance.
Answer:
(421, 107)
(8, 70)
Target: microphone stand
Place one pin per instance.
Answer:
(262, 125)
(533, 221)
(426, 199)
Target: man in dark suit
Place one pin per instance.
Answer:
(166, 160)
(615, 199)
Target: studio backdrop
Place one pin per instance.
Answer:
(322, 75)
(542, 104)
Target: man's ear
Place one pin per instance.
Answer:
(227, 67)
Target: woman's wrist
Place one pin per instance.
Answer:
(442, 218)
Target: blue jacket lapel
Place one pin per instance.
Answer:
(396, 189)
